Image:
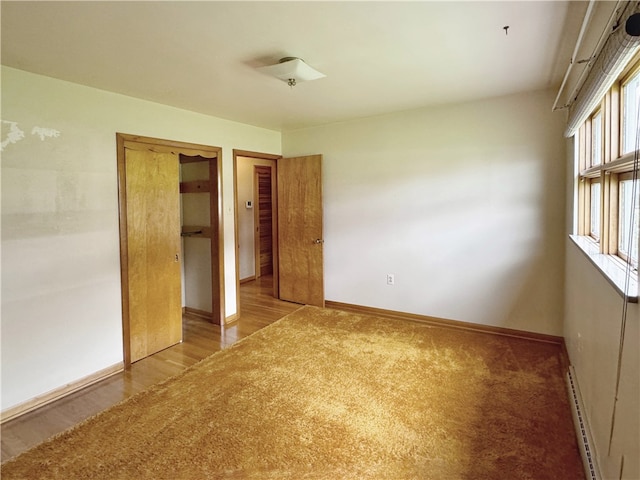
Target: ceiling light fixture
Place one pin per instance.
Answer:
(292, 70)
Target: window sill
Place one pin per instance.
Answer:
(613, 269)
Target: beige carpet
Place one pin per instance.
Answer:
(330, 395)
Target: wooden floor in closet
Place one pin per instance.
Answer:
(200, 339)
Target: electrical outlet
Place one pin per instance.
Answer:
(391, 279)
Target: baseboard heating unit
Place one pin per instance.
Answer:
(582, 427)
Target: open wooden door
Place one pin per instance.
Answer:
(153, 251)
(301, 271)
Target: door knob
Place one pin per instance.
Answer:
(319, 241)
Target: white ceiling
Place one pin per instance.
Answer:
(379, 57)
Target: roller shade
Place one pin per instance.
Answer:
(616, 52)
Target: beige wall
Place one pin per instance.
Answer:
(594, 335)
(61, 309)
(465, 204)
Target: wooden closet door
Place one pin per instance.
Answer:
(153, 251)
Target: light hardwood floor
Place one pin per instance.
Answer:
(200, 339)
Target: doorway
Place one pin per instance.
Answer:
(198, 194)
(256, 216)
(248, 167)
(152, 233)
(297, 218)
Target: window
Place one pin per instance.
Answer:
(608, 189)
(594, 220)
(596, 139)
(630, 97)
(629, 219)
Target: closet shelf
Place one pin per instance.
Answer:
(196, 186)
(196, 231)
